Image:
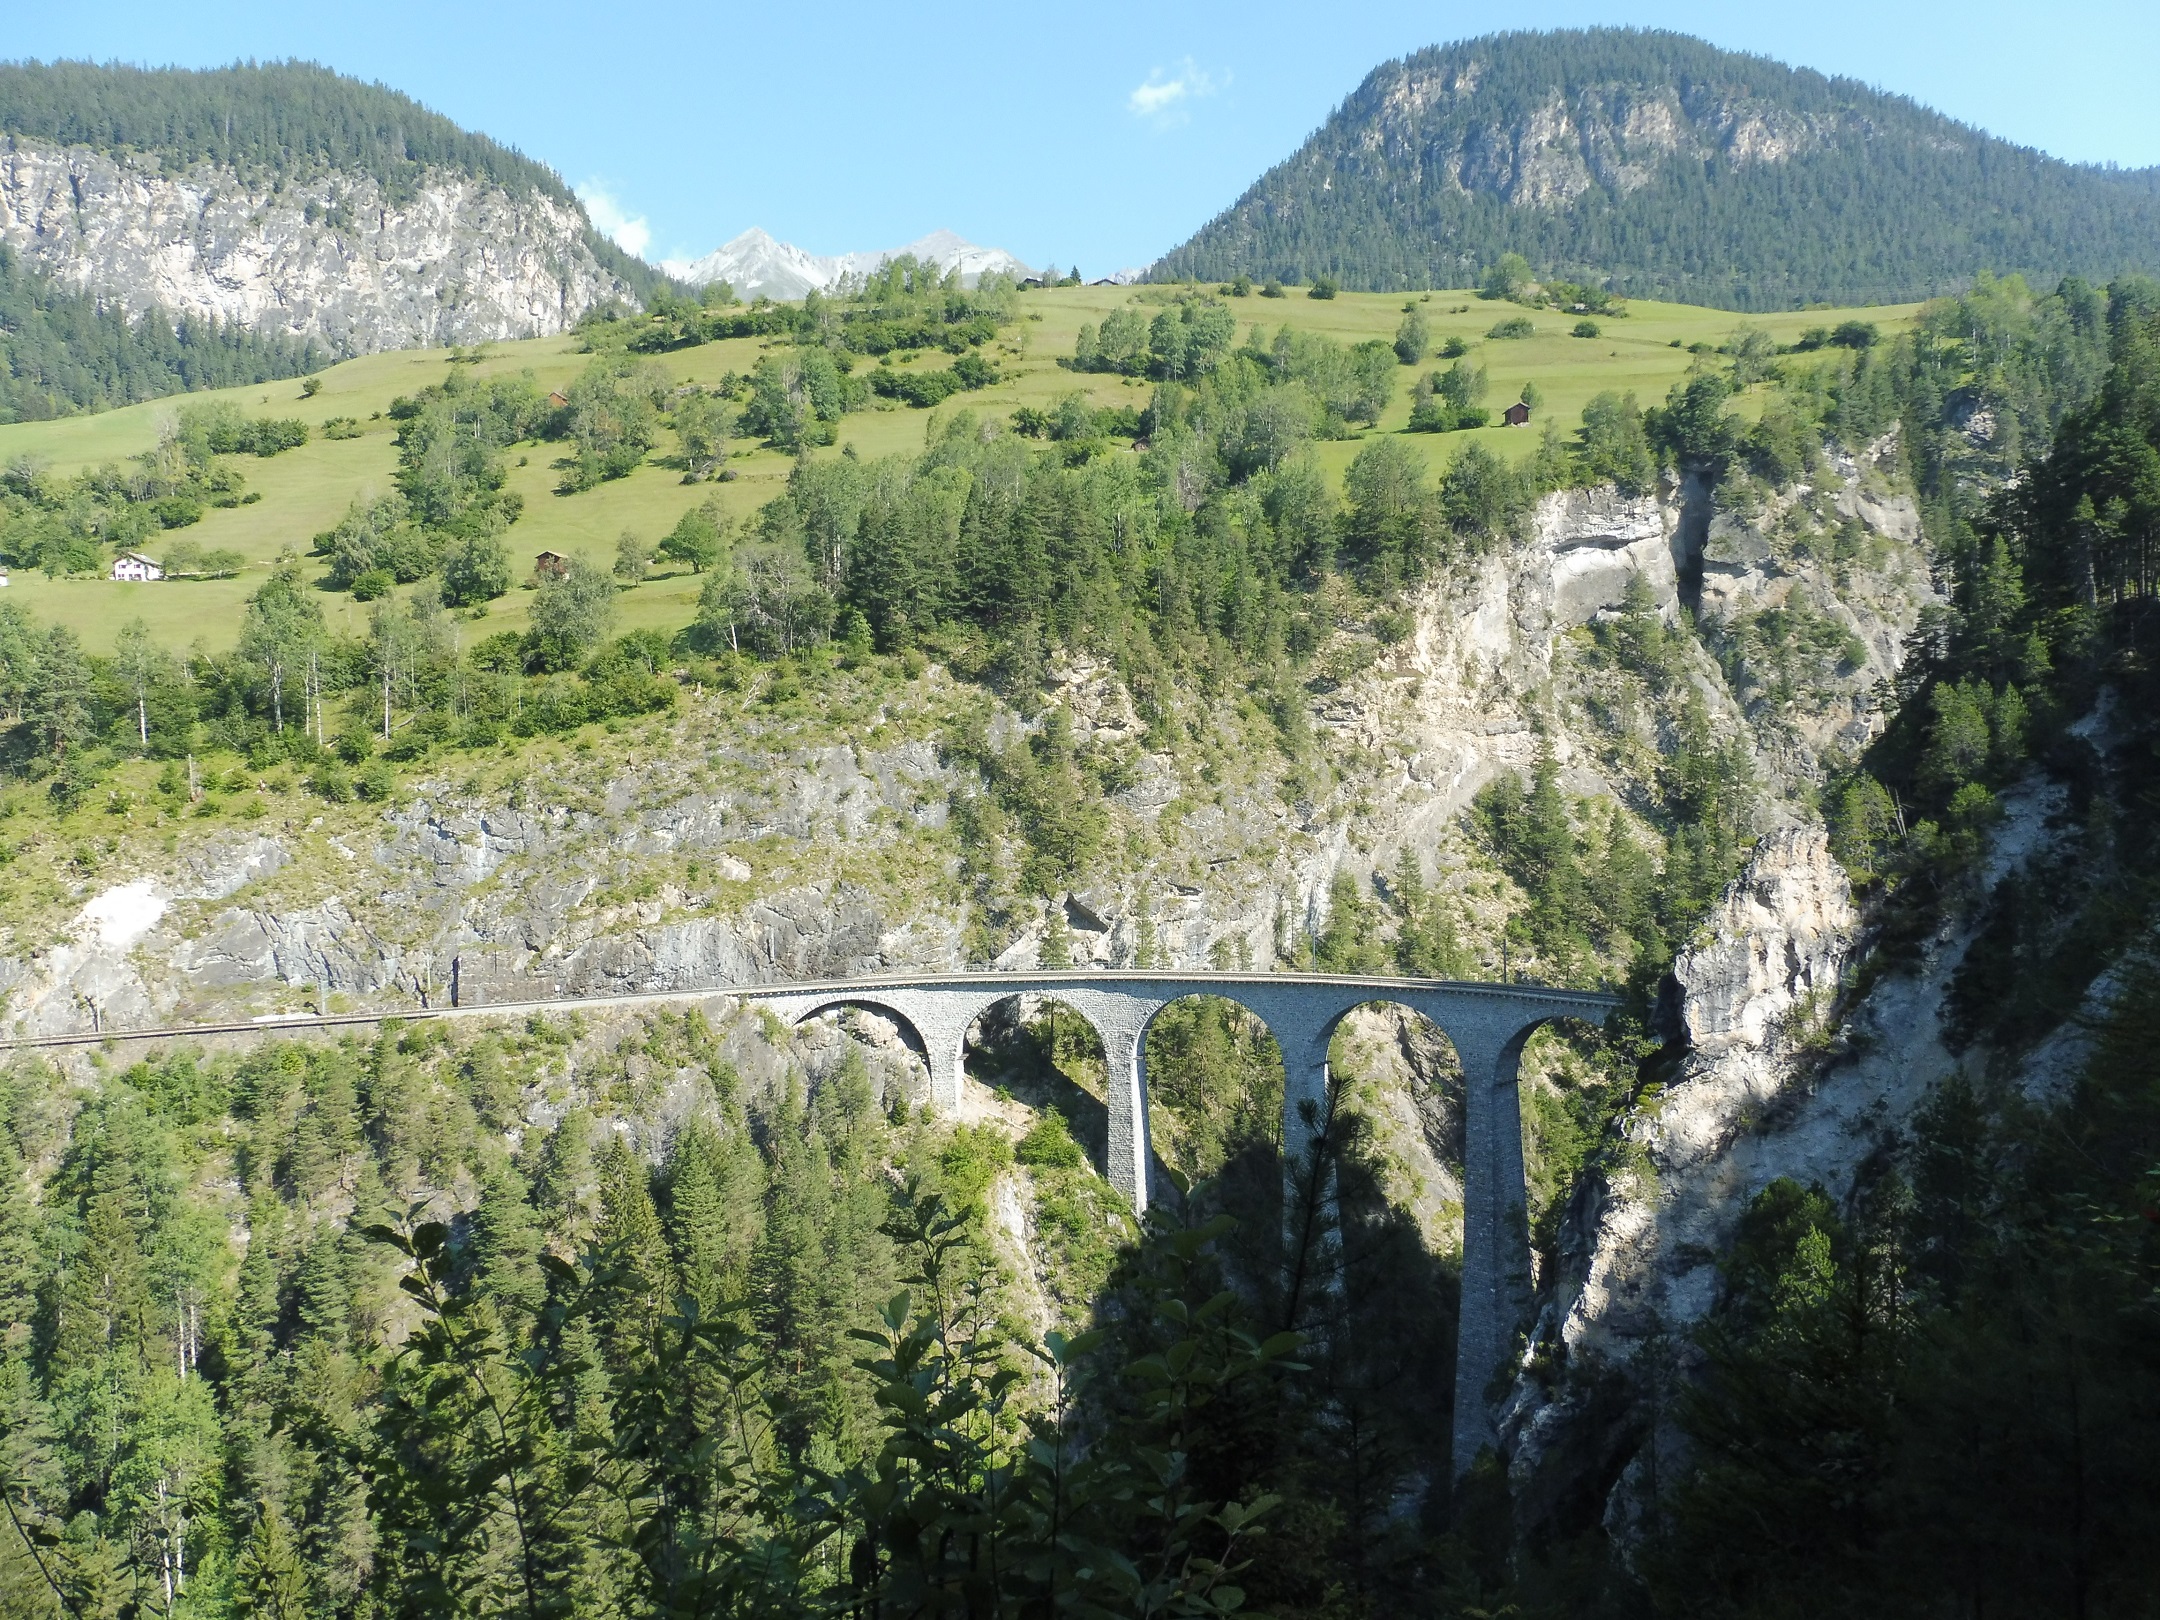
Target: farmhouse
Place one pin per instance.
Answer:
(133, 565)
(1516, 415)
(550, 565)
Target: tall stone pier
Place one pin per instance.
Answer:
(1488, 1024)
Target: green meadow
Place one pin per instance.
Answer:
(304, 491)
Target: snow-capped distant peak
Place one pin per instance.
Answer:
(756, 264)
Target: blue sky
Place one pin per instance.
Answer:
(1101, 134)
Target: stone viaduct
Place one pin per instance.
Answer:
(1488, 1024)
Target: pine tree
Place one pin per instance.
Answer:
(105, 1299)
(325, 1284)
(714, 1212)
(506, 1245)
(270, 1581)
(631, 1247)
(563, 1188)
(21, 1264)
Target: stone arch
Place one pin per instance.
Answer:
(1053, 1085)
(1152, 1062)
(883, 1009)
(910, 1032)
(1414, 1055)
(1490, 1029)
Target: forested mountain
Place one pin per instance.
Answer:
(293, 202)
(1661, 166)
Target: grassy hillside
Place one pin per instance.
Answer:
(304, 491)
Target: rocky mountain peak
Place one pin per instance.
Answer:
(292, 201)
(757, 264)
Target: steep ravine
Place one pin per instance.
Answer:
(332, 257)
(735, 843)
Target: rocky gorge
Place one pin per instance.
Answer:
(738, 842)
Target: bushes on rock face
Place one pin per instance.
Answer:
(1615, 444)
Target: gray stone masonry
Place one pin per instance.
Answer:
(1488, 1024)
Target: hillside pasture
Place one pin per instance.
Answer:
(304, 491)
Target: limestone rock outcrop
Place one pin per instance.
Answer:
(332, 257)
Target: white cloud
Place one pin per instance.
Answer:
(630, 232)
(1165, 98)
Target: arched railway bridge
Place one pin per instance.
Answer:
(1488, 1024)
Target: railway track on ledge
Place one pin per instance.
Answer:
(1594, 1003)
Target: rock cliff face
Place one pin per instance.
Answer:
(520, 893)
(333, 257)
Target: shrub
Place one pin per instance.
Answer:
(1587, 329)
(375, 582)
(475, 569)
(1515, 326)
(1324, 287)
(1049, 1145)
(699, 537)
(1508, 277)
(921, 389)
(1410, 336)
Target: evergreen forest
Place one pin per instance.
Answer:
(63, 351)
(1427, 172)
